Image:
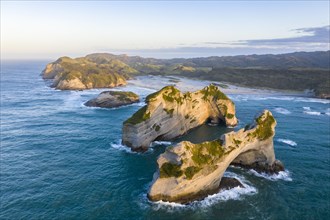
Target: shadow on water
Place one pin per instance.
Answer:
(203, 133)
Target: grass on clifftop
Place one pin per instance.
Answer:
(170, 170)
(139, 116)
(264, 129)
(169, 94)
(214, 92)
(95, 74)
(124, 96)
(205, 152)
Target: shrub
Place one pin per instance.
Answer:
(170, 170)
(264, 129)
(229, 116)
(191, 171)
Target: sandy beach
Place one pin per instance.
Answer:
(185, 84)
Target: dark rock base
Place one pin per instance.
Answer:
(108, 104)
(229, 183)
(262, 167)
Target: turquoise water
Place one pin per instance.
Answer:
(61, 160)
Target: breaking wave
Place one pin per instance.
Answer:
(282, 111)
(309, 111)
(327, 112)
(282, 175)
(287, 141)
(166, 143)
(312, 113)
(236, 193)
(140, 104)
(119, 146)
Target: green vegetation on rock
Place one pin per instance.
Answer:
(169, 94)
(169, 111)
(156, 127)
(168, 98)
(93, 73)
(237, 142)
(264, 128)
(214, 92)
(139, 116)
(170, 170)
(229, 116)
(191, 171)
(207, 151)
(124, 96)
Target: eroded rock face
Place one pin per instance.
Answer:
(111, 99)
(188, 171)
(87, 73)
(170, 113)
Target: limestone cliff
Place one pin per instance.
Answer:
(110, 99)
(87, 73)
(190, 171)
(170, 113)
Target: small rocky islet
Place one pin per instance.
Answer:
(186, 172)
(112, 99)
(169, 113)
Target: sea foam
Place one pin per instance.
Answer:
(282, 175)
(167, 143)
(312, 113)
(119, 146)
(287, 141)
(327, 112)
(282, 111)
(236, 193)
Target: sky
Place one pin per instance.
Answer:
(162, 29)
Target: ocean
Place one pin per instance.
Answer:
(62, 160)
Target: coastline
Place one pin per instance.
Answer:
(187, 84)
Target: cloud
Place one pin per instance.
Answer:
(310, 39)
(316, 35)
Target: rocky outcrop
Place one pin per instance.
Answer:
(86, 73)
(111, 99)
(188, 171)
(170, 113)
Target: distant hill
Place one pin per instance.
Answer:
(282, 79)
(318, 59)
(291, 71)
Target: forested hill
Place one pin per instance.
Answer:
(291, 71)
(318, 59)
